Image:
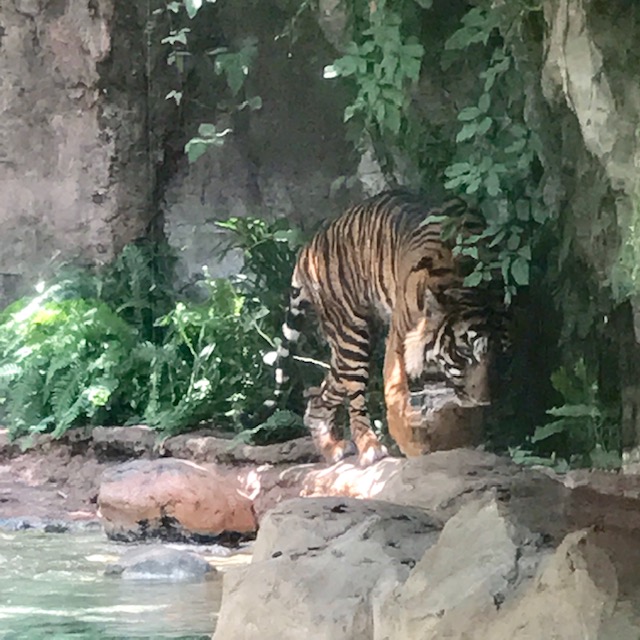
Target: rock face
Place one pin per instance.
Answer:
(317, 564)
(479, 548)
(80, 186)
(172, 500)
(161, 563)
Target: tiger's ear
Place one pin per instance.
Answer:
(433, 309)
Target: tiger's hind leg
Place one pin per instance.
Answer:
(346, 380)
(350, 372)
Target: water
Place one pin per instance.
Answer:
(52, 586)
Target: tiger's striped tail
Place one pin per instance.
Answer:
(291, 329)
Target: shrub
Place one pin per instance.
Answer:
(117, 347)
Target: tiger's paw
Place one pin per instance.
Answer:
(339, 451)
(371, 454)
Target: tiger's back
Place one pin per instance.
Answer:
(362, 256)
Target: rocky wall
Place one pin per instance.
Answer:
(588, 116)
(280, 160)
(74, 161)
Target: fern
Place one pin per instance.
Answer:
(113, 347)
(66, 398)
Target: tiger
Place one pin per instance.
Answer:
(385, 259)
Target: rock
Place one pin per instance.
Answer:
(269, 485)
(172, 500)
(46, 525)
(444, 481)
(478, 560)
(478, 582)
(572, 598)
(315, 566)
(161, 563)
(123, 442)
(8, 448)
(520, 555)
(201, 447)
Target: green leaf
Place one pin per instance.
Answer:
(207, 130)
(176, 36)
(413, 50)
(468, 131)
(513, 242)
(195, 148)
(492, 184)
(192, 7)
(346, 66)
(484, 103)
(525, 252)
(425, 4)
(517, 146)
(539, 213)
(520, 271)
(574, 411)
(469, 113)
(253, 104)
(473, 185)
(602, 459)
(473, 279)
(550, 429)
(457, 169)
(484, 126)
(176, 95)
(433, 219)
(392, 120)
(411, 68)
(523, 210)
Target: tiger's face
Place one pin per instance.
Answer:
(466, 364)
(462, 354)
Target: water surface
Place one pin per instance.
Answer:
(53, 586)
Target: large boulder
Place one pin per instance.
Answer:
(520, 555)
(172, 499)
(315, 568)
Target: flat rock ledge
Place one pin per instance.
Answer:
(140, 441)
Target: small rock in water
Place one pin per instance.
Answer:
(56, 527)
(161, 563)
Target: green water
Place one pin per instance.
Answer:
(52, 586)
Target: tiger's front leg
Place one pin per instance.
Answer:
(396, 395)
(320, 417)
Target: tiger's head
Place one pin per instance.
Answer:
(466, 337)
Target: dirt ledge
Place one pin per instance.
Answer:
(53, 484)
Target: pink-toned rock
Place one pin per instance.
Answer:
(173, 499)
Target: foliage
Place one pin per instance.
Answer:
(114, 347)
(625, 277)
(582, 431)
(494, 157)
(62, 361)
(384, 63)
(187, 52)
(279, 427)
(496, 152)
